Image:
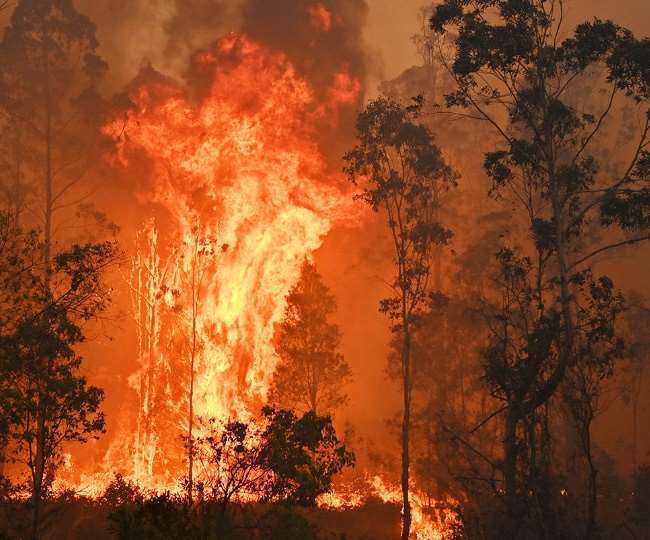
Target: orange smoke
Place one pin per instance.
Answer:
(321, 17)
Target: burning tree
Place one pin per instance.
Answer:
(201, 254)
(150, 282)
(311, 373)
(405, 173)
(244, 164)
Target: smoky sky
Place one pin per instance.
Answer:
(293, 27)
(165, 33)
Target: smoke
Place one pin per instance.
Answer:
(163, 33)
(319, 37)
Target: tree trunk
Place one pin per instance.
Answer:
(406, 421)
(39, 466)
(592, 480)
(48, 180)
(190, 442)
(510, 471)
(38, 473)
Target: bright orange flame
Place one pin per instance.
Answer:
(428, 523)
(430, 520)
(240, 172)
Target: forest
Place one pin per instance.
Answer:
(324, 270)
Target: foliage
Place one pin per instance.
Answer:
(49, 41)
(161, 517)
(514, 62)
(286, 524)
(554, 332)
(121, 492)
(43, 398)
(524, 341)
(51, 110)
(311, 373)
(284, 458)
(405, 174)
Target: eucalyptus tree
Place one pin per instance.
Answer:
(50, 69)
(402, 174)
(44, 400)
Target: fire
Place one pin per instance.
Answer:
(430, 520)
(239, 172)
(246, 197)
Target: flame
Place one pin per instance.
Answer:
(239, 172)
(430, 520)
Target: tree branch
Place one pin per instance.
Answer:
(608, 247)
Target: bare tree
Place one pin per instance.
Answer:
(201, 256)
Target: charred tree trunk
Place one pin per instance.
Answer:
(38, 471)
(406, 422)
(38, 464)
(510, 469)
(592, 488)
(190, 442)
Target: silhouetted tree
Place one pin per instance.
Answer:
(44, 399)
(281, 458)
(524, 339)
(311, 374)
(404, 174)
(49, 70)
(513, 72)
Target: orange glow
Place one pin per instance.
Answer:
(321, 17)
(428, 521)
(244, 187)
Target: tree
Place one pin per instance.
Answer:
(405, 174)
(201, 253)
(50, 69)
(524, 340)
(311, 373)
(281, 458)
(45, 402)
(514, 73)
